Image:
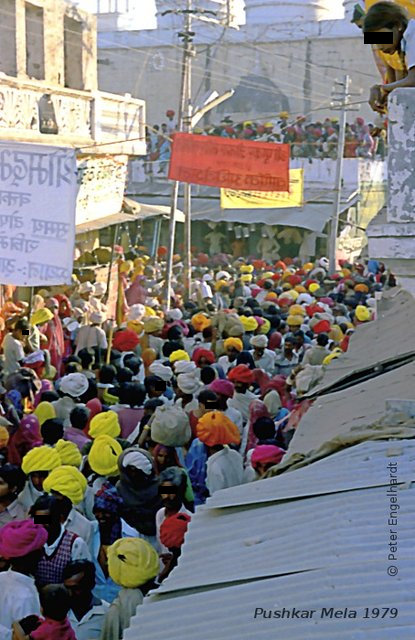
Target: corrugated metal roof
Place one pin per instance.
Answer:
(238, 558)
(361, 466)
(392, 335)
(347, 410)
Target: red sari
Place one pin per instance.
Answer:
(56, 345)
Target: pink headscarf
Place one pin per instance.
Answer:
(21, 537)
(266, 454)
(223, 387)
(24, 439)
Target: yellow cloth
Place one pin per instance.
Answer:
(68, 481)
(4, 437)
(295, 320)
(135, 325)
(108, 398)
(265, 327)
(41, 316)
(44, 411)
(105, 423)
(246, 277)
(200, 321)
(69, 453)
(362, 313)
(336, 334)
(336, 353)
(132, 562)
(248, 323)
(297, 310)
(179, 354)
(152, 323)
(236, 343)
(313, 287)
(103, 455)
(246, 268)
(42, 458)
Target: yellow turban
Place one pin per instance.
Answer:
(200, 321)
(41, 316)
(336, 334)
(313, 287)
(236, 343)
(295, 320)
(68, 481)
(293, 294)
(336, 353)
(150, 312)
(135, 325)
(103, 455)
(132, 562)
(42, 458)
(44, 411)
(246, 277)
(220, 283)
(152, 324)
(248, 323)
(126, 266)
(265, 327)
(246, 268)
(267, 275)
(4, 437)
(179, 354)
(362, 313)
(308, 266)
(105, 423)
(69, 453)
(297, 310)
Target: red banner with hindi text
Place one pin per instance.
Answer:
(229, 163)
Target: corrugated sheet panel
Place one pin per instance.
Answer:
(392, 335)
(361, 466)
(309, 553)
(362, 405)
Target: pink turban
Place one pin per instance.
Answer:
(46, 386)
(266, 454)
(20, 537)
(223, 387)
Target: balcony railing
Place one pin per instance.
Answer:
(31, 112)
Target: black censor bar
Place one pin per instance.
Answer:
(378, 37)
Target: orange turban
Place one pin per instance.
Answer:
(215, 428)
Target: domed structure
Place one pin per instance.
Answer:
(277, 11)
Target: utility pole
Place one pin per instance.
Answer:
(344, 99)
(187, 36)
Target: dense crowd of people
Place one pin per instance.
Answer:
(312, 140)
(112, 436)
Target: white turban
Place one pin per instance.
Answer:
(188, 383)
(136, 312)
(100, 288)
(139, 461)
(86, 287)
(183, 366)
(161, 371)
(96, 317)
(74, 384)
(174, 315)
(260, 341)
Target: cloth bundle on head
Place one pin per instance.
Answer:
(241, 373)
(272, 401)
(222, 387)
(200, 321)
(174, 315)
(42, 458)
(86, 287)
(173, 530)
(132, 562)
(233, 343)
(184, 366)
(200, 353)
(96, 317)
(153, 324)
(362, 313)
(125, 340)
(68, 481)
(249, 323)
(161, 371)
(41, 316)
(21, 537)
(259, 341)
(188, 383)
(103, 455)
(105, 423)
(74, 384)
(170, 426)
(214, 428)
(69, 453)
(137, 460)
(266, 454)
(179, 354)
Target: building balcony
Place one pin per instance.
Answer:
(37, 113)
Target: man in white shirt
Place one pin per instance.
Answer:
(264, 358)
(12, 346)
(224, 468)
(21, 541)
(87, 612)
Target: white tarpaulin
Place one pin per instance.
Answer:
(38, 187)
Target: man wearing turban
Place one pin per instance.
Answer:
(264, 358)
(232, 346)
(242, 377)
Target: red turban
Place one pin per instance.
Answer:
(293, 280)
(203, 353)
(173, 529)
(162, 251)
(125, 340)
(266, 454)
(322, 327)
(222, 387)
(215, 428)
(313, 308)
(20, 537)
(241, 373)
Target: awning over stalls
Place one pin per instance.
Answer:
(107, 221)
(313, 216)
